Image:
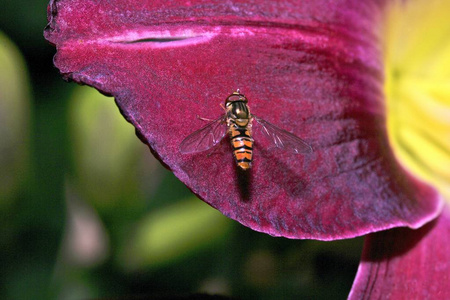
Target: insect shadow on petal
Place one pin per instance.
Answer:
(237, 121)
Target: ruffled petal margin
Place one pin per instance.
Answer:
(403, 263)
(313, 68)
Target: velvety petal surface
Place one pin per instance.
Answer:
(406, 264)
(310, 67)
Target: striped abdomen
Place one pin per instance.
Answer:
(242, 144)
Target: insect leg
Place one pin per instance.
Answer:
(205, 119)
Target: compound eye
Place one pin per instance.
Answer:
(233, 98)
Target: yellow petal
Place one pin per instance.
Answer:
(417, 60)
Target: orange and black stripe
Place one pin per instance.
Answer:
(242, 144)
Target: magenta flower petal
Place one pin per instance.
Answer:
(312, 68)
(406, 264)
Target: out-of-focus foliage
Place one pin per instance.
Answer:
(193, 224)
(14, 119)
(109, 163)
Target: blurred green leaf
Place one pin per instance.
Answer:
(14, 119)
(173, 232)
(108, 157)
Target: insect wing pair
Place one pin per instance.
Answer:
(211, 134)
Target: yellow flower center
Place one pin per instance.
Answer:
(417, 87)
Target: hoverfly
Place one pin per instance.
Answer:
(238, 120)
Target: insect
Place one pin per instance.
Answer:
(239, 123)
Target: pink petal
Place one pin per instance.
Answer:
(310, 67)
(406, 264)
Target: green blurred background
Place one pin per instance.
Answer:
(87, 212)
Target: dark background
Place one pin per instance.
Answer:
(87, 212)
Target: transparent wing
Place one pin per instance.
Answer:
(204, 138)
(281, 138)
